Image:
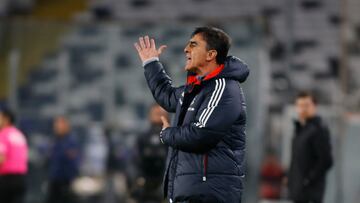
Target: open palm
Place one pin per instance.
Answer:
(146, 48)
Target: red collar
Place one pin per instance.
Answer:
(196, 80)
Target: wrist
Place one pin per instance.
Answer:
(149, 60)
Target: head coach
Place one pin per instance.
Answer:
(206, 139)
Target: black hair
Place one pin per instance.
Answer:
(215, 39)
(8, 114)
(306, 94)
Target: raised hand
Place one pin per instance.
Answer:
(146, 48)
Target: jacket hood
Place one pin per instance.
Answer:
(235, 69)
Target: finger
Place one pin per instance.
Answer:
(161, 49)
(142, 43)
(152, 44)
(137, 47)
(147, 41)
(163, 120)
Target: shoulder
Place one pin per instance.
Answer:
(15, 136)
(320, 130)
(17, 131)
(320, 124)
(224, 86)
(11, 131)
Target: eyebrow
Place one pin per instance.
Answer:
(193, 42)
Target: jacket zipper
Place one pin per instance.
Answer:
(205, 165)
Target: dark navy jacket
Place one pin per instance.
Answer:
(206, 142)
(64, 160)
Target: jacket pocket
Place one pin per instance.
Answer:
(205, 160)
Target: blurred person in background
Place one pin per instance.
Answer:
(95, 152)
(151, 159)
(13, 160)
(206, 141)
(91, 185)
(63, 163)
(311, 156)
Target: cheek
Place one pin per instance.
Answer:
(300, 110)
(193, 55)
(199, 56)
(313, 110)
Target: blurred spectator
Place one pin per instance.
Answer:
(64, 163)
(271, 178)
(90, 187)
(311, 153)
(13, 160)
(151, 159)
(96, 152)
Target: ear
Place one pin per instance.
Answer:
(211, 55)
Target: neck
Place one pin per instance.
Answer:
(5, 125)
(304, 120)
(207, 69)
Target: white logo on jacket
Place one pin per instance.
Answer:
(191, 109)
(182, 96)
(192, 103)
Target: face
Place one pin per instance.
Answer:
(305, 107)
(155, 113)
(197, 55)
(61, 126)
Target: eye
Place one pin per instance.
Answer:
(192, 44)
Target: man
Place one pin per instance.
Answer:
(13, 160)
(206, 140)
(64, 163)
(152, 157)
(311, 153)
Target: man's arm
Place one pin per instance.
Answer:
(158, 81)
(322, 148)
(220, 110)
(160, 86)
(2, 159)
(2, 152)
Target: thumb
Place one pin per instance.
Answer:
(161, 49)
(164, 121)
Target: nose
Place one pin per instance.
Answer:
(186, 49)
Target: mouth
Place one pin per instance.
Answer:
(188, 58)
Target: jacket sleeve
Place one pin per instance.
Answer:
(322, 148)
(160, 86)
(221, 108)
